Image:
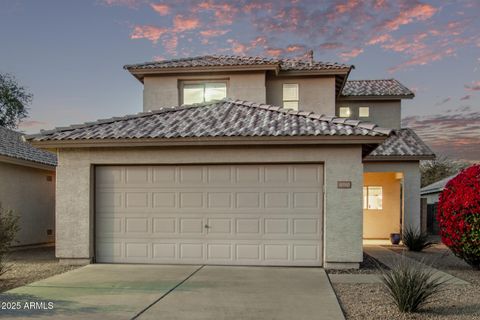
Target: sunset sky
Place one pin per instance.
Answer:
(70, 54)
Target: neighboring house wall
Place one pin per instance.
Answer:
(383, 113)
(378, 224)
(343, 207)
(316, 94)
(431, 197)
(164, 91)
(27, 191)
(411, 187)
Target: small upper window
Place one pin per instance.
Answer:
(345, 112)
(290, 95)
(203, 92)
(364, 112)
(372, 198)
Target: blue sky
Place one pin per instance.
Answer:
(70, 54)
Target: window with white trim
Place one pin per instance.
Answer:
(199, 92)
(290, 96)
(345, 112)
(364, 112)
(372, 198)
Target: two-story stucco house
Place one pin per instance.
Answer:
(239, 161)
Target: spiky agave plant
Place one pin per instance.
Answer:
(411, 286)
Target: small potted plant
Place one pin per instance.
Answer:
(395, 238)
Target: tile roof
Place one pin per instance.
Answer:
(13, 146)
(224, 118)
(383, 87)
(403, 143)
(436, 186)
(224, 60)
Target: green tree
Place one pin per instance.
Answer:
(14, 100)
(438, 169)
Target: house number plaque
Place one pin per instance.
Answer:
(344, 184)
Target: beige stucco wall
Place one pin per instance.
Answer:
(27, 191)
(378, 224)
(383, 113)
(163, 91)
(410, 184)
(343, 207)
(316, 94)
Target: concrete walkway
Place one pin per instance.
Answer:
(391, 259)
(177, 292)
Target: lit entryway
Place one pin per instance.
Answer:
(210, 214)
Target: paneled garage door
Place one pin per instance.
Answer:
(210, 214)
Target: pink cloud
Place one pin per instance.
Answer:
(379, 39)
(453, 133)
(127, 3)
(181, 23)
(475, 86)
(331, 45)
(161, 8)
(275, 52)
(350, 5)
(295, 48)
(419, 12)
(424, 57)
(151, 33)
(213, 33)
(170, 43)
(347, 55)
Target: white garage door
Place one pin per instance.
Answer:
(210, 214)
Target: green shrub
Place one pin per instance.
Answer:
(410, 286)
(8, 230)
(415, 240)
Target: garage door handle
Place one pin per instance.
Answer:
(207, 226)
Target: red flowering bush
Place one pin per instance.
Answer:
(459, 215)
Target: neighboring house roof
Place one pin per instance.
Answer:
(13, 146)
(224, 118)
(436, 186)
(229, 61)
(379, 88)
(402, 144)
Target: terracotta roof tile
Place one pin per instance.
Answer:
(225, 118)
(402, 143)
(385, 87)
(13, 146)
(225, 60)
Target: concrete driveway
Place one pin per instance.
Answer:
(176, 292)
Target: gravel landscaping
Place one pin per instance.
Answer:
(369, 301)
(30, 265)
(368, 266)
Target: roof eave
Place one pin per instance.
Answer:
(399, 158)
(26, 163)
(376, 97)
(141, 73)
(327, 72)
(207, 141)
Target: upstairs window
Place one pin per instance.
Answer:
(364, 112)
(199, 92)
(290, 96)
(372, 198)
(345, 112)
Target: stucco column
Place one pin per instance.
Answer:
(74, 236)
(411, 196)
(343, 225)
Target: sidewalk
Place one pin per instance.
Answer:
(390, 259)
